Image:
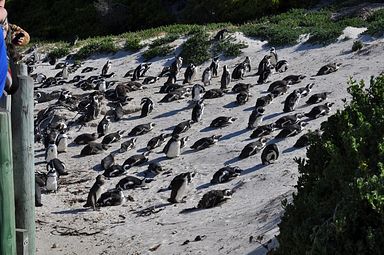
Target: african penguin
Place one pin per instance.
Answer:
(214, 198)
(51, 183)
(108, 161)
(263, 130)
(215, 66)
(157, 141)
(242, 97)
(111, 197)
(51, 152)
(281, 66)
(135, 160)
(197, 111)
(270, 154)
(264, 101)
(106, 68)
(58, 165)
(318, 98)
(292, 101)
(147, 106)
(85, 138)
(189, 74)
(178, 187)
(95, 192)
(197, 90)
(207, 76)
(226, 174)
(142, 129)
(329, 68)
(318, 111)
(253, 148)
(225, 78)
(62, 142)
(291, 130)
(173, 146)
(182, 127)
(256, 118)
(205, 142)
(131, 182)
(222, 121)
(103, 126)
(128, 145)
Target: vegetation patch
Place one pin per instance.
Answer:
(376, 24)
(158, 51)
(133, 43)
(339, 205)
(285, 29)
(357, 45)
(196, 49)
(229, 47)
(97, 45)
(59, 52)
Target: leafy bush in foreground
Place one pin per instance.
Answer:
(339, 205)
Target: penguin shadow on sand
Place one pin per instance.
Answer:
(97, 168)
(136, 117)
(234, 134)
(232, 161)
(171, 113)
(253, 169)
(249, 109)
(231, 105)
(73, 211)
(290, 149)
(272, 115)
(208, 129)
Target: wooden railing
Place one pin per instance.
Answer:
(17, 174)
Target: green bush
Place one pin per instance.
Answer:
(339, 205)
(196, 49)
(59, 52)
(229, 47)
(164, 40)
(133, 43)
(357, 45)
(97, 45)
(158, 51)
(376, 24)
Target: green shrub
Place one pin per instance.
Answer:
(376, 24)
(164, 40)
(133, 43)
(59, 52)
(229, 47)
(357, 45)
(97, 45)
(339, 205)
(196, 49)
(158, 51)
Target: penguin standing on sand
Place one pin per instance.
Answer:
(189, 74)
(215, 66)
(51, 152)
(95, 192)
(256, 118)
(225, 78)
(136, 73)
(51, 184)
(247, 64)
(197, 111)
(197, 90)
(270, 154)
(103, 126)
(292, 101)
(106, 68)
(62, 142)
(65, 72)
(172, 148)
(238, 72)
(178, 187)
(264, 64)
(207, 76)
(274, 59)
(147, 106)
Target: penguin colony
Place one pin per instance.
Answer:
(99, 99)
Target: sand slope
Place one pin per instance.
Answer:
(255, 208)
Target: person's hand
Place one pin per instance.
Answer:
(18, 39)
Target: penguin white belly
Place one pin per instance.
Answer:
(51, 183)
(173, 150)
(62, 145)
(181, 191)
(51, 153)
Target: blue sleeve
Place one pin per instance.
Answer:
(3, 62)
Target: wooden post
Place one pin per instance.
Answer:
(7, 203)
(23, 160)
